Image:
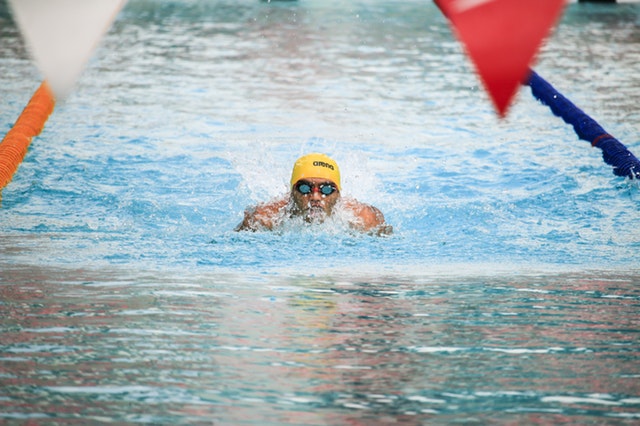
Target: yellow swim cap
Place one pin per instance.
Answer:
(316, 166)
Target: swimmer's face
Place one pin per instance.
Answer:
(314, 205)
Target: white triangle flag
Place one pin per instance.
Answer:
(62, 34)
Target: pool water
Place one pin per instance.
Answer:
(507, 294)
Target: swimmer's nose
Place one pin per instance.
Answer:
(315, 194)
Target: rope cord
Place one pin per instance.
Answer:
(14, 146)
(614, 153)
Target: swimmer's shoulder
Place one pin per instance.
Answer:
(368, 218)
(264, 215)
(272, 207)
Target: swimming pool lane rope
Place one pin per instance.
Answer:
(614, 153)
(30, 123)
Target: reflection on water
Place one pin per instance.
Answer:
(272, 349)
(508, 293)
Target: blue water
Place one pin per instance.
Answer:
(508, 292)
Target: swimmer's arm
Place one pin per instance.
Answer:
(262, 216)
(369, 219)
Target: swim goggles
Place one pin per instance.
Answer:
(306, 188)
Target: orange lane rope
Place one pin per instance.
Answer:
(14, 146)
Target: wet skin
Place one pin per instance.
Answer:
(314, 206)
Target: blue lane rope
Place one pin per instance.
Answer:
(614, 153)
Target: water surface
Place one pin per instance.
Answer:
(508, 292)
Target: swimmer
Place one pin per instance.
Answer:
(315, 196)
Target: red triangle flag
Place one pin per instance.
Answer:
(502, 38)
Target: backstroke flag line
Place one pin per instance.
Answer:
(502, 38)
(62, 34)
